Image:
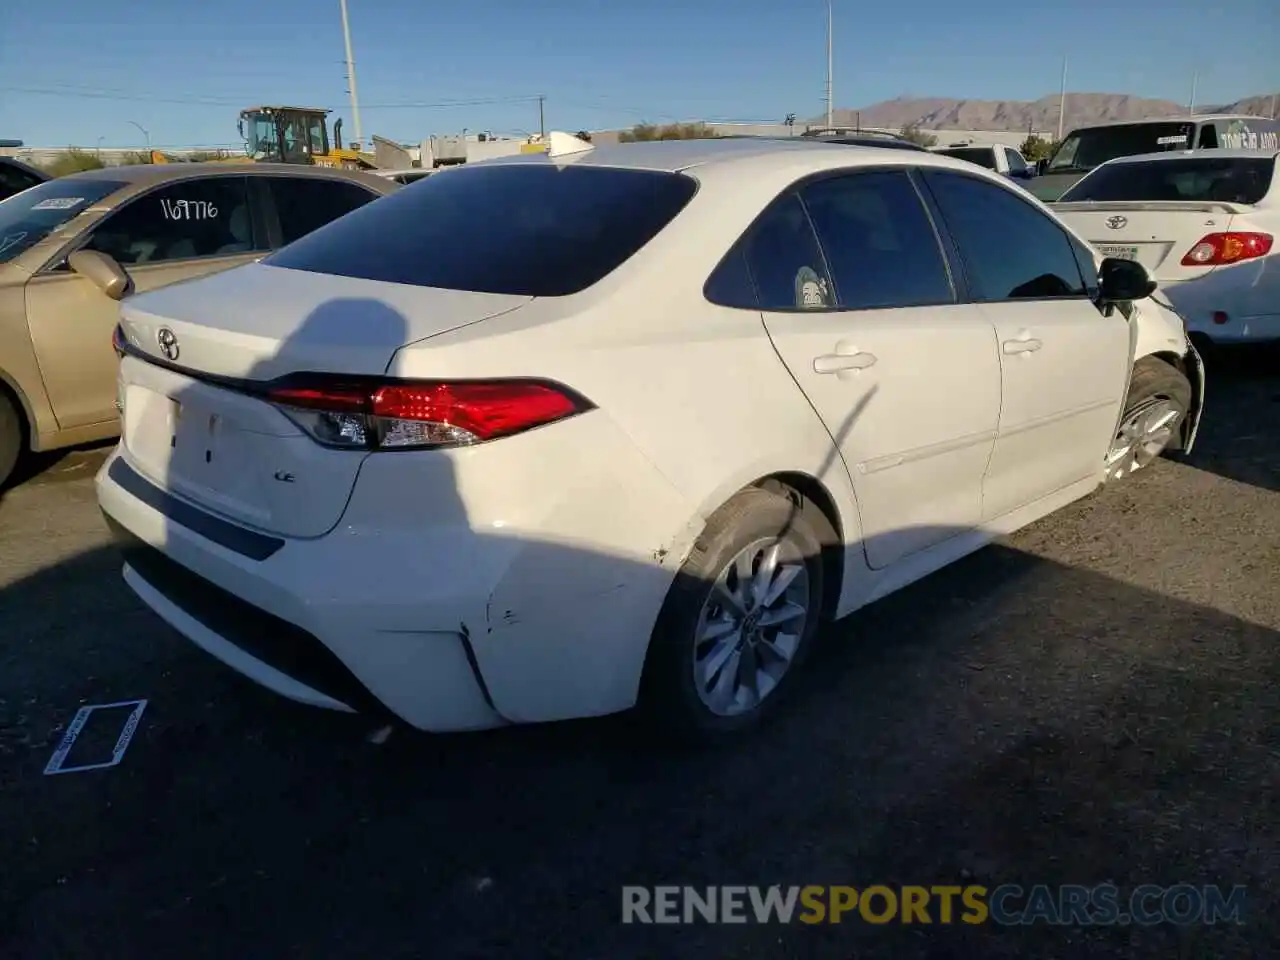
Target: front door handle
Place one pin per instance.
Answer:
(836, 362)
(1029, 345)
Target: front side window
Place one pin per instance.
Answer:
(879, 243)
(1015, 161)
(304, 204)
(1011, 250)
(180, 221)
(28, 217)
(530, 229)
(785, 260)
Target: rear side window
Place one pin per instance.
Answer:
(529, 229)
(982, 156)
(785, 260)
(1011, 250)
(880, 245)
(304, 204)
(180, 221)
(1199, 178)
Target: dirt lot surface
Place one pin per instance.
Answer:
(1094, 699)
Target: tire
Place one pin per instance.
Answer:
(1154, 413)
(753, 521)
(10, 438)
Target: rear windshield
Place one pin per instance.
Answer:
(28, 217)
(982, 156)
(530, 229)
(1086, 149)
(1201, 178)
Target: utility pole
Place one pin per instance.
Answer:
(1062, 100)
(351, 76)
(542, 124)
(1195, 81)
(830, 101)
(1273, 106)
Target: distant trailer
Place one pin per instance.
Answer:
(11, 143)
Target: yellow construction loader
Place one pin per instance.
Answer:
(276, 134)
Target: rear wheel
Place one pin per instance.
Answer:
(10, 437)
(739, 619)
(1158, 401)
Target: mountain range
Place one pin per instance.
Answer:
(1083, 109)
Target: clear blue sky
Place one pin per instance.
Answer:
(78, 70)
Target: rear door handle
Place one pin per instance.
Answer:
(836, 362)
(1029, 345)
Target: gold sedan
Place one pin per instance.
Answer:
(72, 247)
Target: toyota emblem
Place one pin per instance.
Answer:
(1115, 223)
(168, 343)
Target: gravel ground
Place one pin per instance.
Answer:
(1094, 699)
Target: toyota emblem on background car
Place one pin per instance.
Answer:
(168, 343)
(1115, 223)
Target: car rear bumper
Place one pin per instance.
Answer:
(1211, 309)
(439, 614)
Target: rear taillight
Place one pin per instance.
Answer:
(1218, 249)
(402, 415)
(117, 340)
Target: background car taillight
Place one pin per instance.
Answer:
(401, 415)
(117, 340)
(1217, 249)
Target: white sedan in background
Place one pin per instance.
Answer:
(1203, 222)
(560, 434)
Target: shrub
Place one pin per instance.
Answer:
(675, 131)
(1036, 147)
(73, 161)
(917, 136)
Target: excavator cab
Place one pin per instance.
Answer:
(285, 134)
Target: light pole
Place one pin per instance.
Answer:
(1062, 100)
(351, 76)
(830, 102)
(100, 139)
(144, 133)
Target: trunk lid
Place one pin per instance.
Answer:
(193, 429)
(1158, 234)
(259, 322)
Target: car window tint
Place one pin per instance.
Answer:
(15, 180)
(1011, 250)
(785, 260)
(1200, 178)
(531, 229)
(180, 221)
(304, 204)
(982, 156)
(730, 283)
(1088, 264)
(880, 246)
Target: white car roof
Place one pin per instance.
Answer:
(1168, 157)
(1197, 118)
(677, 155)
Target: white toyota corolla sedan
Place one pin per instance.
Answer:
(557, 435)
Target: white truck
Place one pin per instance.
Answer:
(994, 156)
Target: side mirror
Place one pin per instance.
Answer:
(103, 271)
(1121, 280)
